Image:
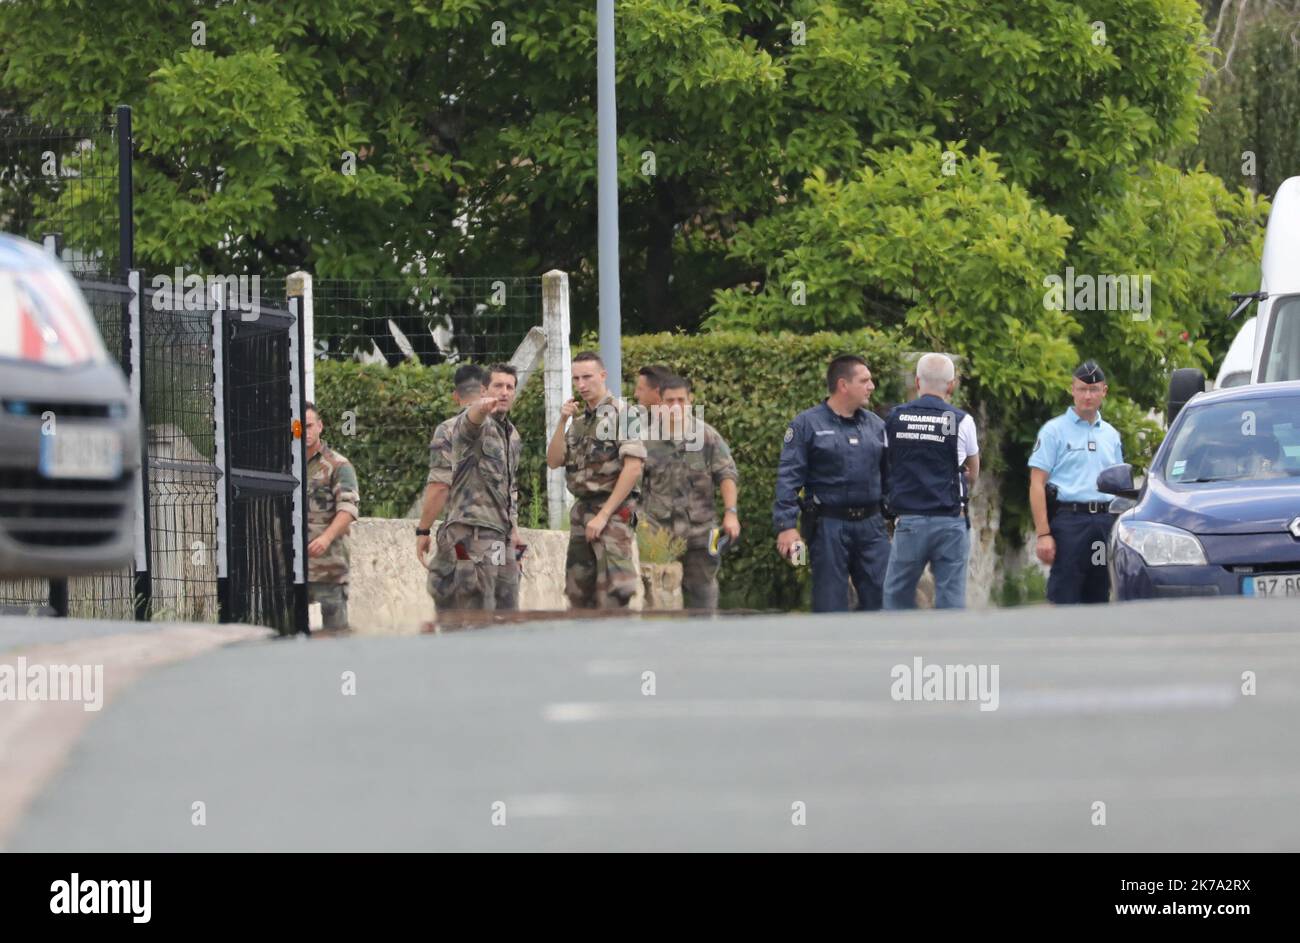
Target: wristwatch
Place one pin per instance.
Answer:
(422, 532)
(732, 511)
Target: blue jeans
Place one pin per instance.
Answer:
(942, 542)
(844, 550)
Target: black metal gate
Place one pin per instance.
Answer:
(261, 506)
(220, 523)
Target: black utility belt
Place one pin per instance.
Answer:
(599, 499)
(847, 514)
(1083, 507)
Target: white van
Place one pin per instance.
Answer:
(1277, 339)
(1274, 337)
(1240, 358)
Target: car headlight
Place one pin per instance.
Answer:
(1161, 544)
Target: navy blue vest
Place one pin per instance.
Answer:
(924, 477)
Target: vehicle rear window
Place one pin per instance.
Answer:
(1243, 440)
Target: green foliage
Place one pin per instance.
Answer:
(396, 410)
(942, 247)
(242, 138)
(536, 514)
(958, 260)
(1254, 99)
(657, 544)
(1027, 586)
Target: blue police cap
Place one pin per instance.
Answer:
(1089, 372)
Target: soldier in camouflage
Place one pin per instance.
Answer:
(686, 459)
(649, 379)
(469, 380)
(476, 566)
(332, 502)
(602, 455)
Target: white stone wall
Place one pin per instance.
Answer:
(388, 593)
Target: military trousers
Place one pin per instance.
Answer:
(700, 579)
(333, 599)
(482, 574)
(599, 574)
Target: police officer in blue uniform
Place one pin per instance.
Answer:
(834, 452)
(1071, 517)
(932, 461)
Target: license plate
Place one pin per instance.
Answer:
(72, 452)
(1283, 584)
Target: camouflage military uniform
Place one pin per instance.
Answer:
(481, 513)
(331, 488)
(440, 453)
(441, 464)
(600, 574)
(677, 490)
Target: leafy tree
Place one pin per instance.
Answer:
(474, 158)
(1251, 134)
(758, 141)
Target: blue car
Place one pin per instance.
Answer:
(1219, 512)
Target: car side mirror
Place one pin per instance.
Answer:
(1117, 480)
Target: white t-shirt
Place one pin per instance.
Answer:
(967, 443)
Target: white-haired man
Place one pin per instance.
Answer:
(932, 460)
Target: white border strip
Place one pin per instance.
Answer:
(133, 330)
(295, 309)
(219, 423)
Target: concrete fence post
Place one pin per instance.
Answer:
(298, 285)
(558, 371)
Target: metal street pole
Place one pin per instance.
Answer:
(611, 320)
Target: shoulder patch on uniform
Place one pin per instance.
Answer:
(1038, 443)
(789, 433)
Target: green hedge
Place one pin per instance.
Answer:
(748, 387)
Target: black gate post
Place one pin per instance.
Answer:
(59, 596)
(133, 353)
(125, 194)
(225, 492)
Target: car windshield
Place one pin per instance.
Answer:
(1281, 360)
(1239, 440)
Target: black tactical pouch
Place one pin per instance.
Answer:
(809, 514)
(1053, 500)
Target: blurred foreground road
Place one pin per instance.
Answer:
(1138, 706)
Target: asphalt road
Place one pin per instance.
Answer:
(1139, 707)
